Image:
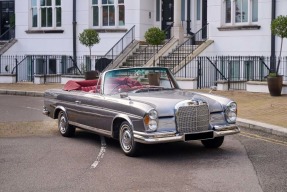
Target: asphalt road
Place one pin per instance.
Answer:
(45, 161)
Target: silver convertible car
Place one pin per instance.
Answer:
(141, 106)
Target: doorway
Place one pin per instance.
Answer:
(7, 18)
(204, 19)
(167, 16)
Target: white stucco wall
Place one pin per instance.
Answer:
(243, 42)
(136, 13)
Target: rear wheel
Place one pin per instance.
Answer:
(213, 143)
(65, 128)
(128, 145)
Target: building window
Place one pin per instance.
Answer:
(254, 10)
(228, 11)
(95, 6)
(108, 13)
(158, 10)
(46, 13)
(182, 10)
(198, 8)
(121, 13)
(34, 8)
(240, 11)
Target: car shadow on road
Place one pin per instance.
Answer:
(178, 150)
(175, 151)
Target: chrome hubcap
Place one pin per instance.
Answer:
(63, 124)
(127, 140)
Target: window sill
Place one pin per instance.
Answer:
(44, 31)
(111, 30)
(239, 27)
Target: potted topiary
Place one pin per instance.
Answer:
(154, 36)
(89, 37)
(275, 81)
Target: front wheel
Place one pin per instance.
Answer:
(128, 145)
(213, 143)
(65, 128)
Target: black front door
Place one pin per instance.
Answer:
(167, 16)
(6, 17)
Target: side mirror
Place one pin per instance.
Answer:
(124, 95)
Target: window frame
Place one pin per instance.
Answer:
(233, 22)
(117, 4)
(36, 23)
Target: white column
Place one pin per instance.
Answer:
(177, 27)
(177, 13)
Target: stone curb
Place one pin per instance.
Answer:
(264, 127)
(22, 93)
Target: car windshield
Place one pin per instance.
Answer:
(137, 80)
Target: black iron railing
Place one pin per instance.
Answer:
(236, 71)
(208, 71)
(183, 50)
(108, 59)
(143, 55)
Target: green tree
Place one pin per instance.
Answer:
(88, 38)
(154, 36)
(279, 28)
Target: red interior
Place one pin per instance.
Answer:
(85, 85)
(90, 85)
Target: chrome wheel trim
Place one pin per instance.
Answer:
(126, 140)
(63, 124)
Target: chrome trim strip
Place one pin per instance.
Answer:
(92, 129)
(229, 130)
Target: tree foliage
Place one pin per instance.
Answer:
(154, 36)
(279, 26)
(89, 37)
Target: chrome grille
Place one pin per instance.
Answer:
(194, 118)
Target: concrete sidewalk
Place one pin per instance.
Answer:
(257, 111)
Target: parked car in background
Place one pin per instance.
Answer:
(141, 106)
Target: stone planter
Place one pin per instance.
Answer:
(275, 85)
(90, 75)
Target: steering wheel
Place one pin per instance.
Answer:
(113, 91)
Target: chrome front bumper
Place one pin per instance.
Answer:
(166, 137)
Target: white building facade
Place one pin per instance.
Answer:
(236, 27)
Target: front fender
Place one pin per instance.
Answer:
(57, 110)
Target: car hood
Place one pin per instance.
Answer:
(164, 101)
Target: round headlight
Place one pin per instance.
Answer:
(231, 117)
(152, 125)
(232, 106)
(153, 114)
(150, 120)
(231, 112)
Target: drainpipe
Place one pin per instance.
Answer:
(188, 29)
(74, 32)
(273, 56)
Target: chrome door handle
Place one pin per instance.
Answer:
(78, 102)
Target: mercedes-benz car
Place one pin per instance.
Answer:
(141, 106)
